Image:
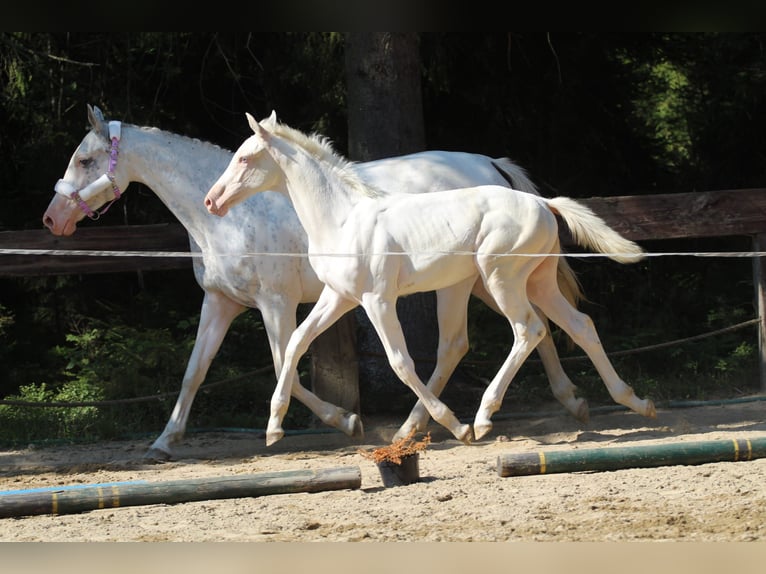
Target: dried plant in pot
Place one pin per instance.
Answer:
(398, 462)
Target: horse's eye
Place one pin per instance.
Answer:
(85, 162)
(243, 159)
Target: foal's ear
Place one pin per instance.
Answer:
(270, 123)
(258, 128)
(250, 121)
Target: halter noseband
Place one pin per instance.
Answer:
(95, 187)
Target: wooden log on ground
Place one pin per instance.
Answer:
(93, 497)
(615, 458)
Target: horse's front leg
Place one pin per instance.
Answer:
(452, 314)
(327, 310)
(382, 314)
(216, 316)
(279, 320)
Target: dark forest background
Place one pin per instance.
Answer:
(587, 114)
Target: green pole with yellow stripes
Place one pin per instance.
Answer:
(65, 500)
(616, 458)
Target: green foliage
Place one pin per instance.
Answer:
(124, 366)
(20, 424)
(661, 104)
(101, 363)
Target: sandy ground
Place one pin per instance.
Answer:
(460, 496)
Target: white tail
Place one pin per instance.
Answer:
(590, 231)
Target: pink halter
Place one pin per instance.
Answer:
(101, 182)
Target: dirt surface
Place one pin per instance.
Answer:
(460, 496)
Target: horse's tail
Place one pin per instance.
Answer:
(589, 230)
(515, 175)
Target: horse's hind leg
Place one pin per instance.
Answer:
(507, 286)
(452, 314)
(561, 386)
(382, 314)
(544, 292)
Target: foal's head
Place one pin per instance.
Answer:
(252, 169)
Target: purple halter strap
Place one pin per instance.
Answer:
(114, 134)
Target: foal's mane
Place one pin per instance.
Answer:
(320, 148)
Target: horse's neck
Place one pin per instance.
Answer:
(179, 170)
(319, 196)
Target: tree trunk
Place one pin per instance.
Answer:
(385, 118)
(384, 100)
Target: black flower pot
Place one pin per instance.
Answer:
(400, 474)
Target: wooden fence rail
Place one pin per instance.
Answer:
(724, 213)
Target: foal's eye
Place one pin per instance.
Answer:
(243, 159)
(86, 162)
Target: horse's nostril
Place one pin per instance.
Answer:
(211, 205)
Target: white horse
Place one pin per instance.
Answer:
(180, 170)
(369, 248)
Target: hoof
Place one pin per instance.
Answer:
(650, 411)
(413, 424)
(464, 434)
(273, 436)
(354, 427)
(582, 414)
(155, 455)
(480, 430)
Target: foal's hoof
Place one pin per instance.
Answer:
(481, 429)
(464, 434)
(414, 423)
(273, 436)
(650, 410)
(352, 425)
(155, 455)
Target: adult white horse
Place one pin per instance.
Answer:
(369, 248)
(180, 170)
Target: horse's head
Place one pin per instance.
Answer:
(90, 180)
(252, 169)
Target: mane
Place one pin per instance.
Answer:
(320, 147)
(158, 131)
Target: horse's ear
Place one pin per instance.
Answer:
(97, 122)
(251, 121)
(270, 123)
(260, 131)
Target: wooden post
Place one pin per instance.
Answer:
(759, 279)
